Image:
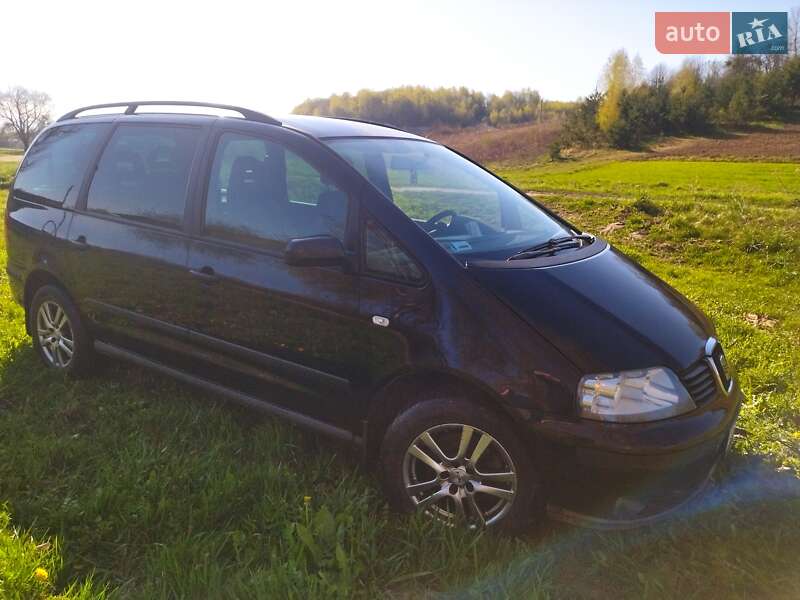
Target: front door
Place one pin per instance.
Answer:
(262, 321)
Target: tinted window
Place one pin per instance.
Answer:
(261, 193)
(54, 167)
(386, 258)
(143, 174)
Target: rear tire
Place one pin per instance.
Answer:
(462, 464)
(59, 335)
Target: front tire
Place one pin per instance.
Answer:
(461, 464)
(59, 335)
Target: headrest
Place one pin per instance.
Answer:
(246, 169)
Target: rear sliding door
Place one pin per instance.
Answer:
(129, 250)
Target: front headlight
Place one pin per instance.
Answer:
(633, 396)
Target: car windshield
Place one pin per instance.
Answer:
(464, 208)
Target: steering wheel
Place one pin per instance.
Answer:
(432, 224)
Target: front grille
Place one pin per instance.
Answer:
(722, 366)
(700, 381)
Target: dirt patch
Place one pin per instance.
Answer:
(760, 321)
(522, 144)
(611, 227)
(763, 144)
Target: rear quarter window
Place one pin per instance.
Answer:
(54, 167)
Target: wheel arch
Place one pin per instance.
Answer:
(413, 387)
(37, 279)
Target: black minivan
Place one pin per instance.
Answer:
(491, 359)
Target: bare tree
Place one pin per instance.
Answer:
(659, 75)
(794, 31)
(26, 111)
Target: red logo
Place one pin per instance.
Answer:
(693, 32)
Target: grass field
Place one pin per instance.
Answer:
(134, 484)
(10, 154)
(767, 184)
(7, 167)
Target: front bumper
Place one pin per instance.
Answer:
(616, 475)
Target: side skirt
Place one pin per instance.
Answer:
(230, 394)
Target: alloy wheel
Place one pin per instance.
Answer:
(55, 334)
(457, 473)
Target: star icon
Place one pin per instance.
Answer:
(757, 23)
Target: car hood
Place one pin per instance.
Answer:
(604, 313)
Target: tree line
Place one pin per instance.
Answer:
(419, 107)
(697, 98)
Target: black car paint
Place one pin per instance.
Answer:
(608, 302)
(519, 336)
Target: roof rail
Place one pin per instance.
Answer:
(130, 109)
(354, 120)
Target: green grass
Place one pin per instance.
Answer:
(157, 491)
(28, 568)
(767, 184)
(7, 169)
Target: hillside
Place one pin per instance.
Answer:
(520, 144)
(776, 143)
(527, 144)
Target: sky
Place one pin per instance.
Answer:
(270, 56)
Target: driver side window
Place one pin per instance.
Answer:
(261, 193)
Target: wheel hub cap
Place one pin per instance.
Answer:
(55, 334)
(458, 473)
(459, 476)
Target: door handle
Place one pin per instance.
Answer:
(204, 273)
(79, 242)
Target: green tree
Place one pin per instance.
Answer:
(620, 75)
(515, 107)
(580, 126)
(688, 100)
(792, 70)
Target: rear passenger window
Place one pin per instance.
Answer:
(260, 193)
(56, 164)
(385, 258)
(143, 174)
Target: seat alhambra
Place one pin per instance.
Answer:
(492, 360)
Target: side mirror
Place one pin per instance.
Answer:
(319, 250)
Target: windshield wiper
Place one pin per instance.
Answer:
(554, 244)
